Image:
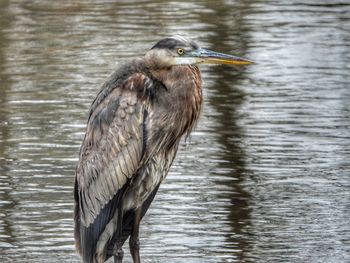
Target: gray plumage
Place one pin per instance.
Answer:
(132, 135)
(134, 128)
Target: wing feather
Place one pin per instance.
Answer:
(112, 148)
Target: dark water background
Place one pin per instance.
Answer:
(265, 176)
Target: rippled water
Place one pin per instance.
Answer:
(264, 178)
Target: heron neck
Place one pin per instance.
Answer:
(183, 96)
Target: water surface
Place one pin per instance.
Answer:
(265, 177)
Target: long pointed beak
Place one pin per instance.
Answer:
(202, 55)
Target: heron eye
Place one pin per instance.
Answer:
(180, 51)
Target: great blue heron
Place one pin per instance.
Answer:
(133, 132)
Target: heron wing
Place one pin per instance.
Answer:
(112, 148)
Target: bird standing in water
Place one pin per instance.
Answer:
(133, 132)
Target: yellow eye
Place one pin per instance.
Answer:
(180, 51)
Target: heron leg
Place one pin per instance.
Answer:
(118, 247)
(134, 242)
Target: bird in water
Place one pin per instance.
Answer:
(133, 132)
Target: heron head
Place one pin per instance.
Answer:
(178, 50)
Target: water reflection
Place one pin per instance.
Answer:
(264, 178)
(6, 184)
(225, 98)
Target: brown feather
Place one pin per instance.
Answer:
(133, 132)
(110, 146)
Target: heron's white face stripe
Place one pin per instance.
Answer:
(185, 60)
(181, 38)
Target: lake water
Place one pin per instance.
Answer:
(265, 177)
